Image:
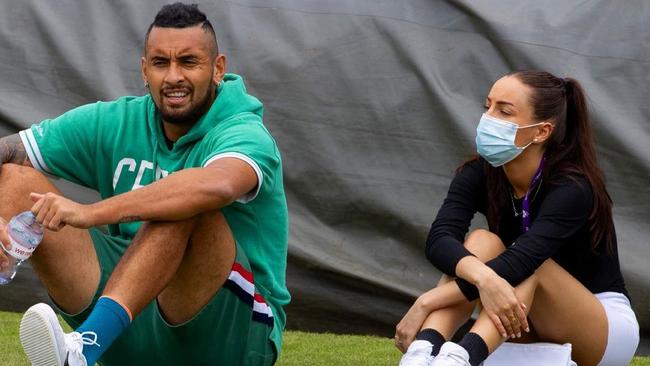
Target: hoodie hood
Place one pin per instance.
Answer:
(232, 100)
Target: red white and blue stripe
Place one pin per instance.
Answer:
(240, 282)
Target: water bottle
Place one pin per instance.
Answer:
(25, 233)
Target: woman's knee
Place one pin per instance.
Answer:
(550, 268)
(529, 283)
(484, 244)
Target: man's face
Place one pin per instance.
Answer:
(182, 68)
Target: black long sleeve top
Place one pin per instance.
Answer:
(559, 230)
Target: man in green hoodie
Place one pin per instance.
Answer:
(192, 269)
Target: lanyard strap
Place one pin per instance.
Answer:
(525, 204)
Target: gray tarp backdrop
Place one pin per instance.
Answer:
(373, 105)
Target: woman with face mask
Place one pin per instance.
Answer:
(547, 270)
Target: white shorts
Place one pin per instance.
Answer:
(623, 333)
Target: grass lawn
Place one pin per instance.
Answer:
(300, 349)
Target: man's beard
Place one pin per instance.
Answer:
(189, 117)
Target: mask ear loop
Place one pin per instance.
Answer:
(524, 147)
(534, 139)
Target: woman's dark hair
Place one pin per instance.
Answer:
(569, 151)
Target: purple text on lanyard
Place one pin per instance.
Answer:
(525, 204)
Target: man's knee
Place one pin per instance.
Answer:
(206, 265)
(16, 183)
(212, 229)
(211, 218)
(23, 174)
(207, 227)
(177, 226)
(484, 244)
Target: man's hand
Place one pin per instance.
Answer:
(54, 212)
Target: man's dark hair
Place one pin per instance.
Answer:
(179, 15)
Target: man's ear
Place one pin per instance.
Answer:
(143, 70)
(219, 69)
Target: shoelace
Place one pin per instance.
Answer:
(75, 341)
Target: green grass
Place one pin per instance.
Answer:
(304, 349)
(311, 349)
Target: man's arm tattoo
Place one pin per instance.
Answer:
(13, 151)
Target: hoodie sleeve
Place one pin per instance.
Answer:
(66, 146)
(245, 138)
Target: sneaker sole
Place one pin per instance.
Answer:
(37, 337)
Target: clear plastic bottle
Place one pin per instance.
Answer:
(25, 233)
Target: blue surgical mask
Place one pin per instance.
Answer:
(495, 140)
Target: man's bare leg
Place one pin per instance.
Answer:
(65, 261)
(207, 263)
(183, 263)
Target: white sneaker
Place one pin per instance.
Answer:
(451, 354)
(418, 354)
(44, 342)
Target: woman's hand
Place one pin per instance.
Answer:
(502, 306)
(410, 325)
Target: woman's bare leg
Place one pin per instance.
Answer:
(562, 311)
(484, 326)
(485, 246)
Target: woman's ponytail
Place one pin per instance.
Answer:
(571, 148)
(579, 138)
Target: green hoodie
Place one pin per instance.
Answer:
(114, 147)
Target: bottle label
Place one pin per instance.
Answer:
(18, 251)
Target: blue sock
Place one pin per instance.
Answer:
(108, 320)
